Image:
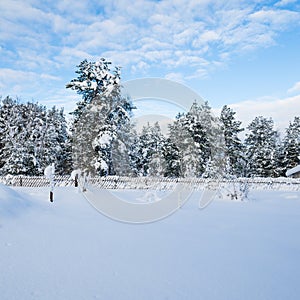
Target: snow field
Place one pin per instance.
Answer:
(229, 250)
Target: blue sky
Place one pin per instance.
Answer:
(241, 53)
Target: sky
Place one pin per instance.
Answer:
(241, 53)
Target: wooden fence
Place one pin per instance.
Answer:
(118, 182)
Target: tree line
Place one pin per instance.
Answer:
(31, 138)
(101, 138)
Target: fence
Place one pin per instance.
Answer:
(122, 182)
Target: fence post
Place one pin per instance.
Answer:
(76, 180)
(49, 174)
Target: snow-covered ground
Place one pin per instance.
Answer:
(68, 250)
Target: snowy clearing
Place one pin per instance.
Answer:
(229, 250)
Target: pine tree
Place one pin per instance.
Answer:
(234, 148)
(199, 124)
(261, 148)
(196, 135)
(181, 139)
(290, 151)
(55, 148)
(8, 116)
(94, 79)
(16, 157)
(157, 162)
(31, 138)
(171, 156)
(123, 151)
(149, 158)
(101, 119)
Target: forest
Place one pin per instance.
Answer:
(101, 139)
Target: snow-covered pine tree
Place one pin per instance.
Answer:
(133, 151)
(181, 139)
(234, 149)
(83, 133)
(30, 139)
(7, 116)
(261, 148)
(279, 168)
(101, 119)
(290, 151)
(123, 151)
(34, 119)
(196, 135)
(94, 78)
(157, 161)
(149, 155)
(171, 156)
(54, 143)
(16, 158)
(64, 163)
(199, 122)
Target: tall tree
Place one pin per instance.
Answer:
(149, 156)
(195, 134)
(261, 148)
(101, 119)
(94, 79)
(234, 148)
(181, 139)
(171, 156)
(31, 138)
(291, 146)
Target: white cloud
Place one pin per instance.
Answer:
(275, 18)
(295, 88)
(185, 36)
(175, 77)
(21, 10)
(140, 67)
(9, 75)
(282, 111)
(191, 38)
(13, 83)
(70, 57)
(49, 77)
(210, 36)
(285, 2)
(153, 28)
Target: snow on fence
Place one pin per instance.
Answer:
(122, 182)
(35, 181)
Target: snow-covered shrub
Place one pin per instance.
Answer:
(234, 190)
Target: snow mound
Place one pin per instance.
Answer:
(11, 202)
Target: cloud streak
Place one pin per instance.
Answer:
(282, 110)
(173, 38)
(295, 88)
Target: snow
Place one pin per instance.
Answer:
(292, 171)
(229, 250)
(11, 202)
(103, 165)
(104, 140)
(94, 85)
(49, 172)
(75, 173)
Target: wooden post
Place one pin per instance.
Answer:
(49, 174)
(76, 180)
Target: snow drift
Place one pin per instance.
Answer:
(11, 202)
